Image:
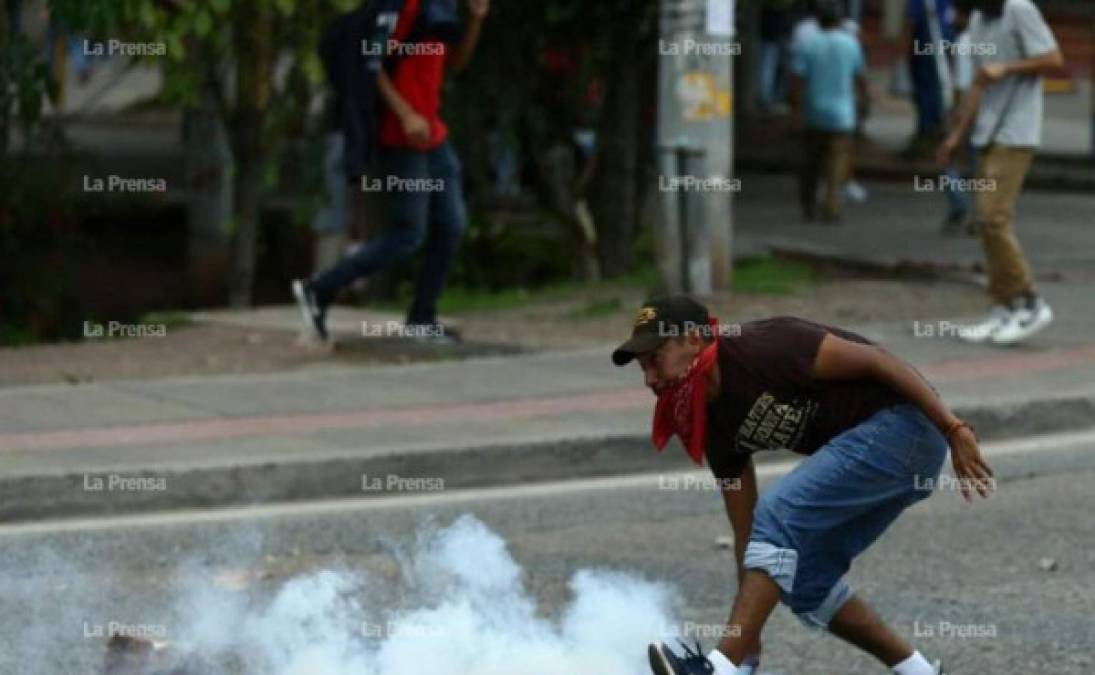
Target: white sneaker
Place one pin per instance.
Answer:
(1023, 323)
(984, 329)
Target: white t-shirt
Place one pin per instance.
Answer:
(963, 62)
(1012, 106)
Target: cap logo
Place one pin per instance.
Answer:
(644, 315)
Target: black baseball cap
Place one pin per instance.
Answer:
(658, 320)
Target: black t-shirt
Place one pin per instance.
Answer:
(768, 399)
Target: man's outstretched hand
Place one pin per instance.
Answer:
(969, 466)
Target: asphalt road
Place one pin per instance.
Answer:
(1004, 587)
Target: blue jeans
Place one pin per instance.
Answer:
(927, 94)
(771, 79)
(837, 502)
(424, 205)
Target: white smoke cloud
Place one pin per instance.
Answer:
(462, 608)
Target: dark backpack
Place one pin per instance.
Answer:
(352, 70)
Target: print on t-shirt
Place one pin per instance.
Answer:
(774, 425)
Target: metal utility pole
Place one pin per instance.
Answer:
(695, 138)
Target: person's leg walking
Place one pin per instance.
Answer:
(813, 148)
(406, 213)
(1009, 272)
(769, 64)
(447, 220)
(837, 168)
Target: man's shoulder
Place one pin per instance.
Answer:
(760, 330)
(845, 39)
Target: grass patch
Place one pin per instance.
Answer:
(765, 275)
(456, 300)
(169, 320)
(597, 307)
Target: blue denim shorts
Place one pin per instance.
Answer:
(837, 502)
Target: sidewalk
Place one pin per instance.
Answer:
(247, 439)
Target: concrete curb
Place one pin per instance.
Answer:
(906, 268)
(1045, 173)
(57, 496)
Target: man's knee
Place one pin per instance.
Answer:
(816, 610)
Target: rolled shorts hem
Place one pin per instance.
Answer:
(778, 563)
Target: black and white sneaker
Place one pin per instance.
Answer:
(983, 330)
(1023, 322)
(664, 662)
(313, 313)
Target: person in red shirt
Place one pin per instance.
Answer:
(420, 174)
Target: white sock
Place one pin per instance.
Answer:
(723, 665)
(914, 665)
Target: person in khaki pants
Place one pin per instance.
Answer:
(827, 75)
(1013, 48)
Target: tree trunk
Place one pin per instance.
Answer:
(614, 194)
(254, 73)
(209, 202)
(746, 79)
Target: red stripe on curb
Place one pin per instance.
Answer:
(237, 427)
(602, 401)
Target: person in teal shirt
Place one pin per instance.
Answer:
(827, 74)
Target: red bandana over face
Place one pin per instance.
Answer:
(682, 407)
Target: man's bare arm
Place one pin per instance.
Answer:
(1043, 64)
(840, 359)
(415, 126)
(462, 55)
(740, 498)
